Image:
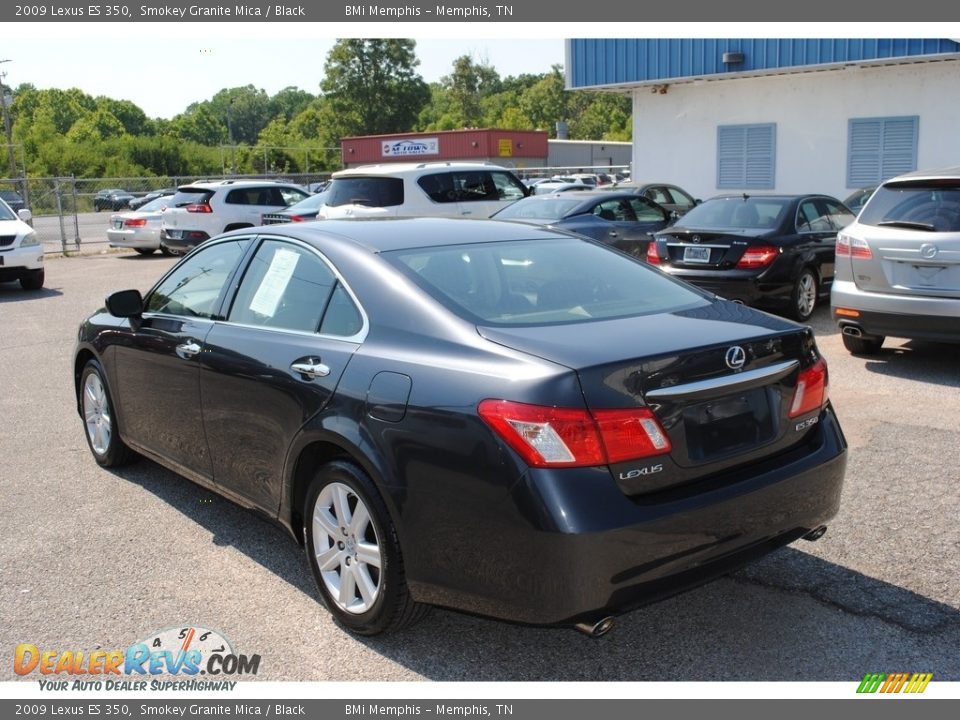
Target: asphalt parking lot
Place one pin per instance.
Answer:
(100, 559)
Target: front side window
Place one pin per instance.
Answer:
(645, 211)
(194, 287)
(811, 219)
(840, 216)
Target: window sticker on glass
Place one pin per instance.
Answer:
(275, 282)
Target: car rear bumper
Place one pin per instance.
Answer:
(744, 286)
(185, 240)
(570, 546)
(908, 316)
(130, 239)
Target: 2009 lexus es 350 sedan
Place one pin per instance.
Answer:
(487, 416)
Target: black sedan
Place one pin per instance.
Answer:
(772, 251)
(112, 199)
(303, 211)
(505, 419)
(622, 220)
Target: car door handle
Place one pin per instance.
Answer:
(188, 349)
(310, 368)
(613, 233)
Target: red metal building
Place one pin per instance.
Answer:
(510, 148)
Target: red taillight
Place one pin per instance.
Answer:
(570, 437)
(653, 257)
(198, 208)
(757, 257)
(135, 222)
(848, 246)
(811, 391)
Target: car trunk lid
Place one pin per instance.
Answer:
(712, 249)
(726, 402)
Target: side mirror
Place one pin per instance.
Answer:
(697, 201)
(125, 304)
(25, 215)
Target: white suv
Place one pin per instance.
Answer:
(448, 189)
(203, 209)
(21, 255)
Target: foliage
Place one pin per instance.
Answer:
(368, 87)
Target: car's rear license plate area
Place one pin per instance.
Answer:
(724, 426)
(696, 254)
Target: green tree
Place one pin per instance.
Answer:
(468, 84)
(289, 102)
(372, 86)
(201, 125)
(133, 119)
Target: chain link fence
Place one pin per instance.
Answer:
(66, 219)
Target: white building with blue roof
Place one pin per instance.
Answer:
(779, 115)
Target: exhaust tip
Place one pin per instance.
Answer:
(596, 629)
(816, 534)
(852, 331)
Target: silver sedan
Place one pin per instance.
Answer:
(138, 229)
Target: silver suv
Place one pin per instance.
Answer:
(450, 189)
(898, 264)
(203, 209)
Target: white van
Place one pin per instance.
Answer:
(450, 189)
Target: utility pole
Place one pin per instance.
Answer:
(11, 157)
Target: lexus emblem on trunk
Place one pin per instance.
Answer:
(736, 357)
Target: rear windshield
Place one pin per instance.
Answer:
(736, 212)
(933, 206)
(542, 282)
(190, 196)
(368, 191)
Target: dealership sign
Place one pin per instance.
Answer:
(410, 147)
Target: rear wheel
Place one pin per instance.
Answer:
(863, 345)
(354, 553)
(145, 251)
(32, 280)
(804, 296)
(100, 420)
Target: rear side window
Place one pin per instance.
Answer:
(932, 206)
(263, 196)
(542, 282)
(368, 191)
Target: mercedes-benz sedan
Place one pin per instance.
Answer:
(494, 417)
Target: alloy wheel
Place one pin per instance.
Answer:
(806, 294)
(347, 548)
(96, 414)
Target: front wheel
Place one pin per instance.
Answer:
(100, 420)
(354, 553)
(804, 296)
(33, 280)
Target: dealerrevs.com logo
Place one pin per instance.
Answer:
(889, 683)
(185, 650)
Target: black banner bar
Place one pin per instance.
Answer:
(355, 709)
(538, 11)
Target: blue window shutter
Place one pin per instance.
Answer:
(880, 148)
(746, 156)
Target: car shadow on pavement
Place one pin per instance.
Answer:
(789, 617)
(926, 362)
(12, 292)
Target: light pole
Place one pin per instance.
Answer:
(6, 123)
(233, 148)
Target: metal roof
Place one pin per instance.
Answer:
(627, 62)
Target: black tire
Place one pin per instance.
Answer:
(145, 251)
(107, 449)
(389, 606)
(167, 252)
(864, 345)
(805, 295)
(96, 207)
(33, 280)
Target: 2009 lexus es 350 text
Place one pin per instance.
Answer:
(487, 416)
